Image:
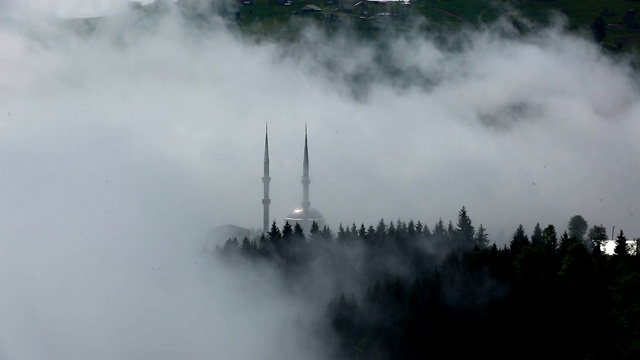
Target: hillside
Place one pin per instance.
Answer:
(619, 27)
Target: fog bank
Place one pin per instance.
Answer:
(121, 149)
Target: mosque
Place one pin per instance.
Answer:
(305, 216)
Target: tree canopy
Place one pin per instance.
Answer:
(401, 291)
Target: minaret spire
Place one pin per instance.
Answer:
(305, 185)
(266, 179)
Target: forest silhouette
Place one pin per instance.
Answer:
(447, 292)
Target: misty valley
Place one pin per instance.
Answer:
(476, 164)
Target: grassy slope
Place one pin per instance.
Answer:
(265, 16)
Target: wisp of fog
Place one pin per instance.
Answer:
(120, 149)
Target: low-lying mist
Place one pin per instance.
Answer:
(122, 146)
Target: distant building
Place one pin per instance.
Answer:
(609, 247)
(310, 8)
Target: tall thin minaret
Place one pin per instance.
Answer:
(266, 179)
(305, 185)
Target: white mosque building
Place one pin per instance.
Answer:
(305, 215)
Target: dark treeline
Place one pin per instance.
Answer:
(402, 290)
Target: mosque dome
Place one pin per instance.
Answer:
(298, 215)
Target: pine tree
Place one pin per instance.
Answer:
(342, 234)
(550, 239)
(426, 232)
(578, 270)
(371, 232)
(274, 234)
(450, 229)
(465, 231)
(401, 226)
(536, 237)
(565, 244)
(264, 244)
(248, 248)
(381, 229)
(520, 240)
(481, 238)
(298, 233)
(231, 247)
(391, 231)
(327, 234)
(419, 228)
(622, 248)
(439, 228)
(362, 232)
(314, 232)
(411, 229)
(287, 232)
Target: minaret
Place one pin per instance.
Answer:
(305, 185)
(266, 179)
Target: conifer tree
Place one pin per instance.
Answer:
(391, 231)
(578, 269)
(298, 233)
(327, 234)
(439, 228)
(426, 232)
(248, 248)
(520, 240)
(564, 243)
(314, 232)
(362, 232)
(622, 248)
(371, 232)
(231, 246)
(411, 229)
(287, 232)
(274, 234)
(381, 229)
(419, 228)
(354, 230)
(550, 238)
(465, 230)
(536, 237)
(481, 238)
(263, 245)
(343, 235)
(401, 228)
